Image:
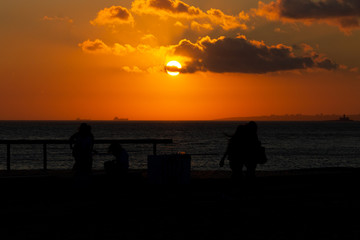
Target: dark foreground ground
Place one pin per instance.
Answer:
(302, 204)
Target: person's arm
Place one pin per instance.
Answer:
(71, 141)
(222, 161)
(93, 150)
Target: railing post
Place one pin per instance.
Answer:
(154, 149)
(45, 156)
(8, 156)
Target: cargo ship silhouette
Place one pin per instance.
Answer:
(120, 119)
(344, 118)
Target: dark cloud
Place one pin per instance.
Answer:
(121, 13)
(326, 64)
(244, 56)
(172, 69)
(301, 9)
(342, 13)
(174, 6)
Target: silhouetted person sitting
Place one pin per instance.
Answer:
(82, 144)
(242, 150)
(120, 165)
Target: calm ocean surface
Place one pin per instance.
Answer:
(289, 145)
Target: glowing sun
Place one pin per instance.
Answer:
(173, 68)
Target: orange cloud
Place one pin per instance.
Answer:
(59, 19)
(166, 7)
(180, 24)
(226, 21)
(179, 9)
(99, 47)
(200, 26)
(345, 14)
(113, 16)
(96, 46)
(144, 56)
(149, 39)
(134, 69)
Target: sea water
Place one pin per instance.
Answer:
(289, 145)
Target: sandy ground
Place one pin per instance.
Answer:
(299, 204)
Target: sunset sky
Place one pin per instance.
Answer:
(97, 59)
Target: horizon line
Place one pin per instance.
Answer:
(246, 118)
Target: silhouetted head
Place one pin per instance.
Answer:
(252, 126)
(84, 129)
(114, 147)
(239, 131)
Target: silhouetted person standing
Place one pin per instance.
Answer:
(82, 144)
(120, 165)
(252, 149)
(242, 151)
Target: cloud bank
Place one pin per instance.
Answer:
(178, 9)
(344, 14)
(168, 7)
(233, 55)
(223, 54)
(245, 56)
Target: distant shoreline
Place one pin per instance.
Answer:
(215, 120)
(295, 118)
(265, 118)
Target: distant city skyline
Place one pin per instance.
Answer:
(295, 117)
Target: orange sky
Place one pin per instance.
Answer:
(62, 60)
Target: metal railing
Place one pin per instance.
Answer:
(45, 142)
